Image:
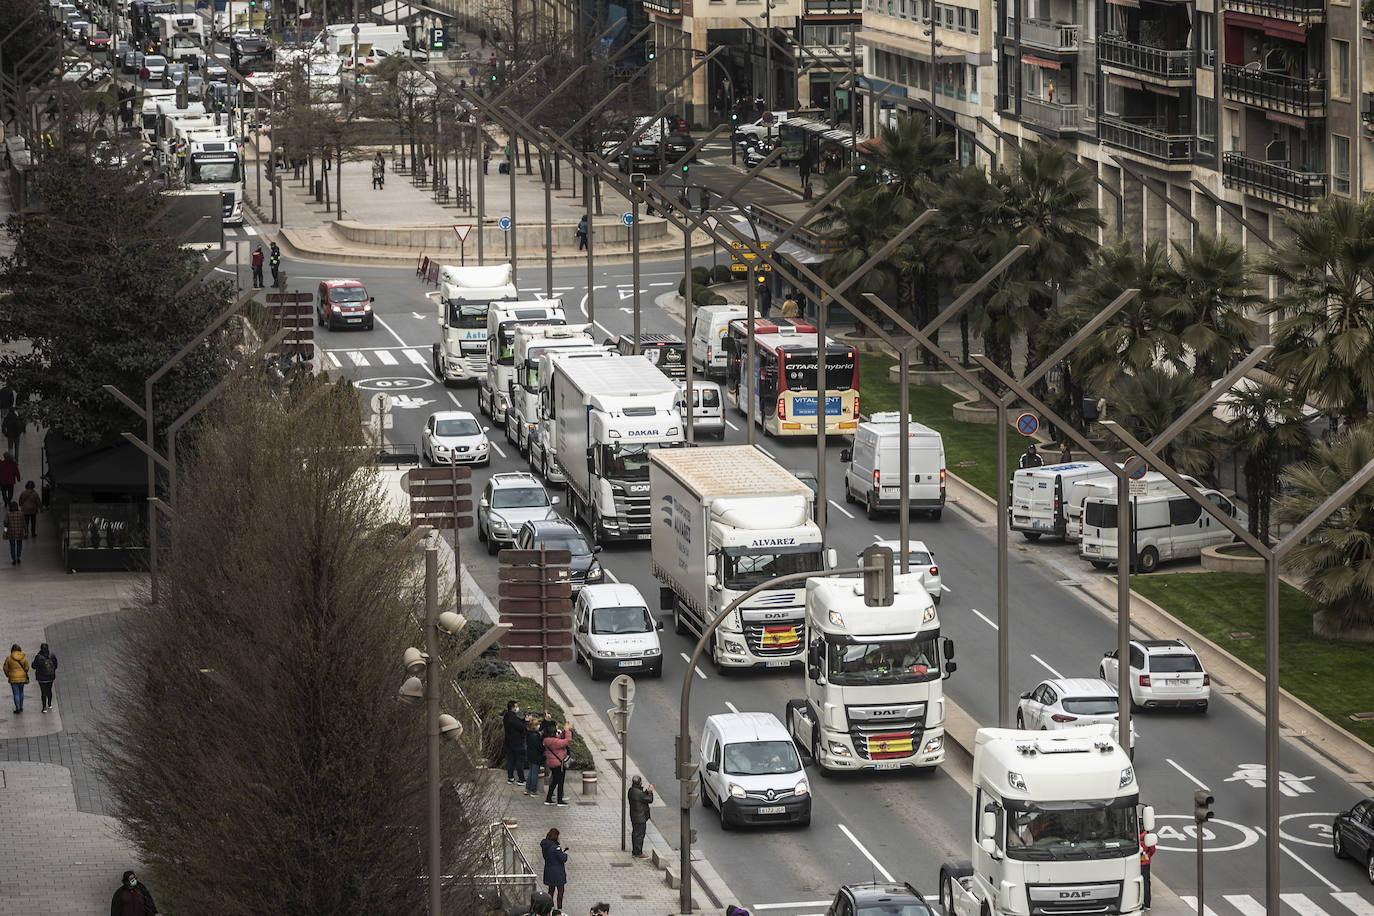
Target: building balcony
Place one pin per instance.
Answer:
(1052, 116)
(1052, 36)
(1293, 95)
(1306, 12)
(1168, 65)
(1272, 181)
(833, 8)
(664, 7)
(1146, 141)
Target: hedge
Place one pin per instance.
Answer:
(489, 697)
(702, 295)
(721, 274)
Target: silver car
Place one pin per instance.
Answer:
(508, 501)
(920, 559)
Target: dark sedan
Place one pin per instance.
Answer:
(557, 534)
(641, 159)
(1352, 835)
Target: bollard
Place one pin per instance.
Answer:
(589, 782)
(511, 825)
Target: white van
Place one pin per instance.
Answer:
(614, 633)
(1153, 483)
(751, 772)
(708, 409)
(1040, 497)
(708, 336)
(874, 474)
(1168, 526)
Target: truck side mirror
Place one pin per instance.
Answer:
(710, 564)
(712, 767)
(987, 828)
(591, 461)
(813, 671)
(1147, 817)
(949, 648)
(832, 559)
(950, 668)
(711, 581)
(441, 311)
(989, 846)
(846, 455)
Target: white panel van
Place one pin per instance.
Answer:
(1167, 527)
(1039, 499)
(708, 336)
(874, 473)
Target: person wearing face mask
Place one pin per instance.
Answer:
(133, 898)
(514, 725)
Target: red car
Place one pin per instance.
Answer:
(344, 304)
(99, 41)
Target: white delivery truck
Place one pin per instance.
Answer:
(465, 296)
(1039, 499)
(608, 416)
(181, 36)
(727, 519)
(1055, 828)
(543, 443)
(212, 163)
(874, 473)
(495, 389)
(708, 336)
(1166, 525)
(529, 342)
(875, 696)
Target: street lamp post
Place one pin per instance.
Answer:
(934, 43)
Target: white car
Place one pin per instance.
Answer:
(85, 73)
(920, 560)
(613, 631)
(1068, 702)
(455, 437)
(1163, 672)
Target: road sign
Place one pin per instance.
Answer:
(1027, 424)
(622, 689)
(472, 71)
(712, 223)
(462, 229)
(628, 219)
(620, 718)
(1135, 467)
(738, 267)
(504, 223)
(381, 402)
(768, 117)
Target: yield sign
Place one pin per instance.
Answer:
(712, 223)
(462, 229)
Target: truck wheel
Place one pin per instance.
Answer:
(679, 626)
(1099, 564)
(722, 670)
(946, 894)
(820, 767)
(872, 508)
(1149, 561)
(1031, 535)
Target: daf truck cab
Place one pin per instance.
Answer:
(530, 342)
(496, 390)
(465, 297)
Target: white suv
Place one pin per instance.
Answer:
(1071, 702)
(1163, 672)
(508, 501)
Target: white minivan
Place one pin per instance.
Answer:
(614, 633)
(1152, 484)
(1167, 527)
(1041, 501)
(751, 772)
(708, 336)
(874, 473)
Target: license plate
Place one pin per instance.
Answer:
(632, 663)
(1177, 682)
(354, 320)
(777, 663)
(887, 765)
(773, 809)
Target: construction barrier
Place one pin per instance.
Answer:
(422, 268)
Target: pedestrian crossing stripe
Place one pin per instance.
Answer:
(1300, 904)
(362, 357)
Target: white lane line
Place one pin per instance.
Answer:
(390, 331)
(731, 706)
(1247, 905)
(333, 359)
(357, 357)
(1189, 776)
(840, 508)
(1191, 903)
(732, 426)
(887, 875)
(788, 906)
(1303, 862)
(416, 357)
(609, 575)
(983, 618)
(688, 659)
(386, 358)
(1302, 904)
(1354, 903)
(944, 588)
(498, 448)
(453, 397)
(250, 230)
(1046, 665)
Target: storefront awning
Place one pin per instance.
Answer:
(395, 12)
(1040, 62)
(1124, 82)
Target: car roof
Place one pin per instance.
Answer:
(452, 415)
(1163, 646)
(912, 544)
(610, 594)
(547, 527)
(333, 283)
(515, 479)
(865, 893)
(748, 726)
(1081, 686)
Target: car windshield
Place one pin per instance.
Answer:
(519, 498)
(1176, 663)
(761, 758)
(899, 661)
(1091, 706)
(457, 427)
(573, 543)
(348, 294)
(214, 172)
(1095, 832)
(744, 571)
(614, 620)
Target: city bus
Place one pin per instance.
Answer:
(785, 378)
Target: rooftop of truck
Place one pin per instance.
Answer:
(729, 470)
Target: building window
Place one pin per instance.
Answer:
(1340, 164)
(1206, 125)
(1340, 68)
(1113, 99)
(1207, 39)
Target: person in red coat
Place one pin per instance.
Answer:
(9, 476)
(556, 759)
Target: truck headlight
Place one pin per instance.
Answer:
(933, 745)
(838, 749)
(801, 788)
(736, 791)
(731, 646)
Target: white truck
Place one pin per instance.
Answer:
(1040, 497)
(727, 519)
(496, 389)
(465, 296)
(529, 343)
(875, 696)
(1056, 827)
(543, 443)
(209, 160)
(608, 416)
(180, 36)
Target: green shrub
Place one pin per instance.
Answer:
(705, 296)
(489, 698)
(701, 276)
(721, 274)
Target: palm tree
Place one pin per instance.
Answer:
(961, 246)
(1324, 328)
(1338, 557)
(1266, 419)
(1216, 297)
(860, 224)
(1149, 399)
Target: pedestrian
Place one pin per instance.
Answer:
(555, 866)
(514, 725)
(15, 531)
(274, 258)
(582, 233)
(601, 909)
(1065, 453)
(486, 159)
(29, 503)
(556, 759)
(257, 267)
(481, 38)
(45, 672)
(133, 898)
(9, 476)
(143, 76)
(789, 307)
(640, 797)
(765, 299)
(804, 167)
(1146, 854)
(534, 752)
(807, 191)
(1031, 458)
(17, 673)
(376, 176)
(12, 427)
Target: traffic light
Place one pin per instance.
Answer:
(1202, 806)
(685, 167)
(734, 117)
(650, 50)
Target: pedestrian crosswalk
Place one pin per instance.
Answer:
(1341, 902)
(362, 357)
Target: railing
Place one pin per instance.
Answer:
(833, 8)
(1274, 90)
(1053, 115)
(1145, 140)
(1306, 11)
(1055, 36)
(1172, 63)
(668, 7)
(1273, 181)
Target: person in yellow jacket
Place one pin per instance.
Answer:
(17, 673)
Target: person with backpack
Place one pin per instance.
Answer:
(275, 260)
(582, 234)
(45, 672)
(257, 267)
(556, 754)
(13, 427)
(17, 673)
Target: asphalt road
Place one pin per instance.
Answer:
(884, 824)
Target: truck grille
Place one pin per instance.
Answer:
(637, 511)
(1074, 899)
(889, 740)
(774, 639)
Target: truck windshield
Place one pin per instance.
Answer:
(625, 462)
(744, 571)
(223, 171)
(463, 314)
(900, 661)
(761, 758)
(1073, 832)
(614, 620)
